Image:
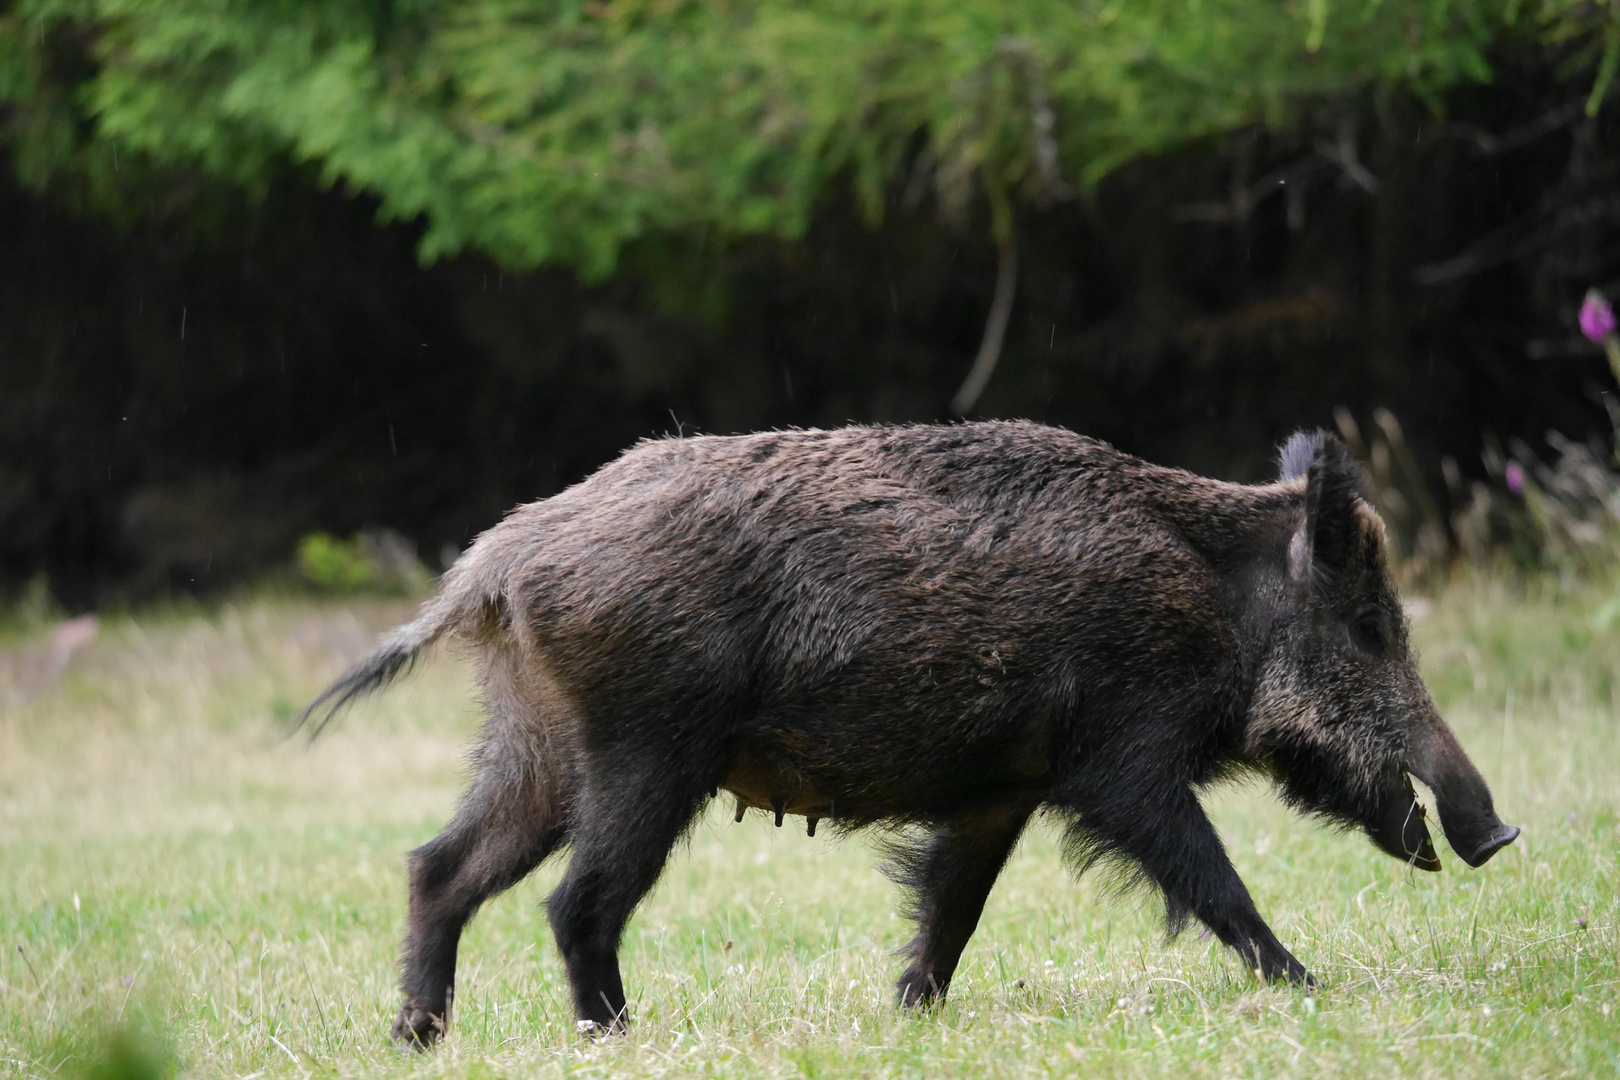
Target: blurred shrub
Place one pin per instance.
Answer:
(1559, 514)
(373, 560)
(28, 607)
(1401, 491)
(130, 1055)
(559, 132)
(1562, 514)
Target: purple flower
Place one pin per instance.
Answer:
(1597, 317)
(1515, 475)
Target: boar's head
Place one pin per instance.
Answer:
(1340, 716)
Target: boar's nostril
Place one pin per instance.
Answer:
(1498, 840)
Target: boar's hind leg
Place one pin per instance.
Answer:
(627, 820)
(950, 876)
(509, 821)
(1179, 850)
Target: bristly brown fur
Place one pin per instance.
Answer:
(939, 628)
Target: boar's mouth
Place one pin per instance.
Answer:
(1401, 830)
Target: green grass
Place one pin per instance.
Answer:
(178, 885)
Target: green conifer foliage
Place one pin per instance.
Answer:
(557, 131)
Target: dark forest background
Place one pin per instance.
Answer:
(199, 369)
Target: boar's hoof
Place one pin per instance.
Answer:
(1301, 977)
(918, 989)
(810, 826)
(597, 1031)
(417, 1026)
(1498, 840)
(779, 805)
(1286, 969)
(741, 809)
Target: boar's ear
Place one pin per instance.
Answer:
(1325, 545)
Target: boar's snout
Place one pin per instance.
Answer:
(1461, 797)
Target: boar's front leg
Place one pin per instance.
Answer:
(1168, 834)
(950, 877)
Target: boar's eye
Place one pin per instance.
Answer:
(1368, 631)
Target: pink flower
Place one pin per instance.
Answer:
(1515, 476)
(1597, 317)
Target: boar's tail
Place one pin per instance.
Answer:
(394, 657)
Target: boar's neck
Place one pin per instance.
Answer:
(1243, 533)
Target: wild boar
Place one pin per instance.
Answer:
(946, 628)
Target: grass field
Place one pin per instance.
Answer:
(170, 869)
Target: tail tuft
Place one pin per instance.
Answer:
(395, 657)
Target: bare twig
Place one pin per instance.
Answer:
(1502, 246)
(995, 331)
(1491, 144)
(1343, 154)
(1290, 179)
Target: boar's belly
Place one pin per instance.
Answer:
(760, 784)
(886, 786)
